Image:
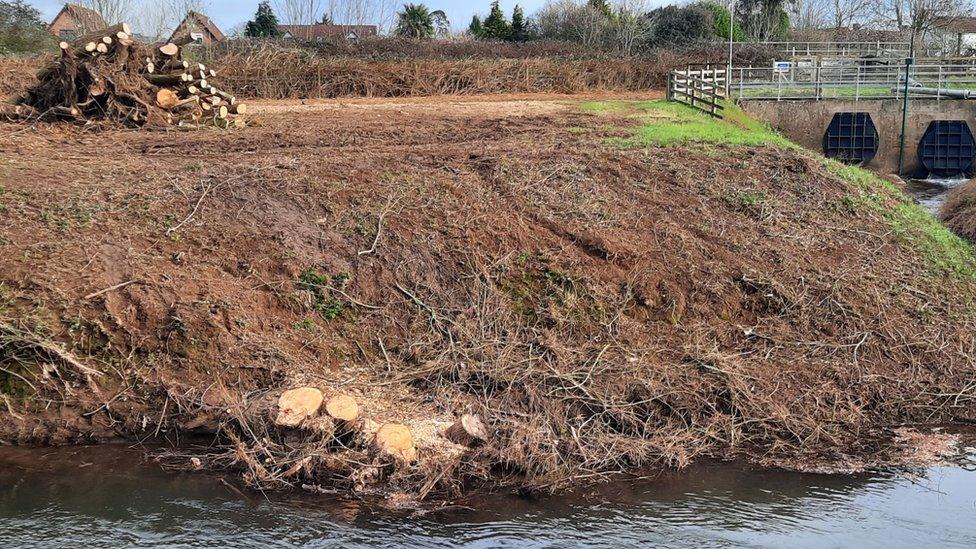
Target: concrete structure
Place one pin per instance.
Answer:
(321, 33)
(201, 29)
(74, 21)
(805, 122)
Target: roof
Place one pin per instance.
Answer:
(315, 32)
(86, 19)
(961, 25)
(202, 20)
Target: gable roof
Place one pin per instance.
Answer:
(86, 19)
(201, 20)
(318, 31)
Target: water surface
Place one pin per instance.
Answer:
(110, 497)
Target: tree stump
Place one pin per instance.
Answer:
(394, 440)
(297, 405)
(467, 431)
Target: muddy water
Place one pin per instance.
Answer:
(931, 193)
(109, 497)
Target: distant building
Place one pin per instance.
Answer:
(958, 33)
(74, 21)
(201, 29)
(321, 33)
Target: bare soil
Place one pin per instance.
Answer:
(603, 309)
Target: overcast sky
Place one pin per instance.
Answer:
(227, 13)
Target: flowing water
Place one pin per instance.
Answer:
(931, 193)
(110, 497)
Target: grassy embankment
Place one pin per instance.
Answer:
(663, 123)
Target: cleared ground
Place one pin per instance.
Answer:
(610, 284)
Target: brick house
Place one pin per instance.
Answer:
(321, 33)
(74, 21)
(200, 28)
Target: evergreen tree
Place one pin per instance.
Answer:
(601, 6)
(496, 26)
(326, 20)
(265, 23)
(22, 30)
(475, 27)
(415, 21)
(520, 28)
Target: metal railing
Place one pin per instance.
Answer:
(854, 81)
(839, 49)
(699, 86)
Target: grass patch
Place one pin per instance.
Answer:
(669, 123)
(318, 284)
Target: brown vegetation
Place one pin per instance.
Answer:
(958, 212)
(599, 309)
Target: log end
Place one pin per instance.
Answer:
(467, 431)
(297, 405)
(395, 440)
(342, 407)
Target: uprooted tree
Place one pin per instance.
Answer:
(106, 75)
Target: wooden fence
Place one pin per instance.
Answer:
(700, 86)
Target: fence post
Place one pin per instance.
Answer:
(670, 83)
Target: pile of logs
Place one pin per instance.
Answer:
(107, 75)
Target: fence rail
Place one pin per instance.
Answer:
(699, 86)
(839, 49)
(854, 81)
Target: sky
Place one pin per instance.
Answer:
(228, 13)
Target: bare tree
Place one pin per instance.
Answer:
(845, 13)
(157, 19)
(809, 15)
(299, 12)
(112, 11)
(921, 17)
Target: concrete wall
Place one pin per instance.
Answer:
(806, 121)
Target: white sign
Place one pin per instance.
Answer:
(782, 67)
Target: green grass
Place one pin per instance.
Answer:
(667, 123)
(943, 251)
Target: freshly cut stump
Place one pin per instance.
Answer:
(297, 405)
(395, 440)
(467, 431)
(342, 408)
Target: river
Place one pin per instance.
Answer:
(110, 497)
(931, 193)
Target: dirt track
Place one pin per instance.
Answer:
(603, 309)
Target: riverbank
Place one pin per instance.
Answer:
(607, 285)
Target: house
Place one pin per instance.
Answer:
(200, 28)
(321, 33)
(74, 21)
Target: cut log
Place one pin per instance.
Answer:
(101, 47)
(183, 40)
(170, 49)
(167, 98)
(64, 46)
(297, 405)
(467, 431)
(222, 112)
(107, 40)
(150, 67)
(239, 108)
(90, 47)
(164, 79)
(394, 440)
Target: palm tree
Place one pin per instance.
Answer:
(415, 21)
